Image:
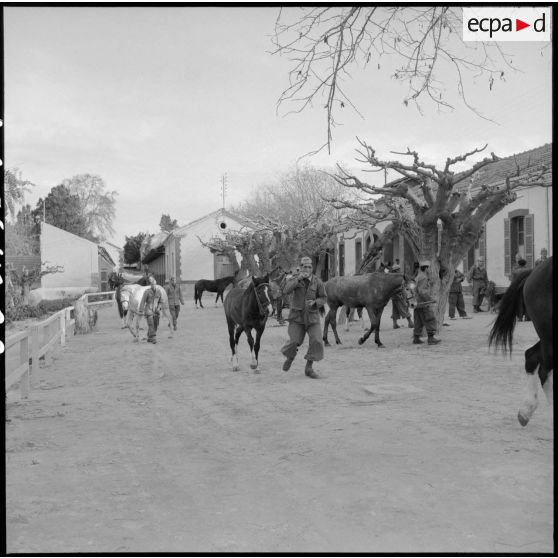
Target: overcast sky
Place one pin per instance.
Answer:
(161, 102)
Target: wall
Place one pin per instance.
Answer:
(78, 256)
(535, 201)
(194, 261)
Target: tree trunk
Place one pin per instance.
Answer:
(84, 317)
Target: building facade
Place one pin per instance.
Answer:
(521, 229)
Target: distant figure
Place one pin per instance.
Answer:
(424, 313)
(400, 308)
(479, 278)
(455, 297)
(175, 300)
(544, 256)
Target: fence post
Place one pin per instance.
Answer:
(35, 348)
(24, 358)
(62, 318)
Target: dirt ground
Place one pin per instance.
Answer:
(125, 447)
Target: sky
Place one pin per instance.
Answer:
(162, 102)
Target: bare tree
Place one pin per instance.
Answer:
(294, 213)
(325, 43)
(439, 212)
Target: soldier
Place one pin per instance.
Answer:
(308, 296)
(479, 278)
(424, 313)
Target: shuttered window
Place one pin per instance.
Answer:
(341, 259)
(507, 248)
(530, 241)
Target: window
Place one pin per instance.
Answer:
(518, 239)
(342, 258)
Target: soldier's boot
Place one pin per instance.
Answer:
(309, 371)
(410, 321)
(432, 340)
(395, 326)
(417, 340)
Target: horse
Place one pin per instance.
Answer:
(247, 309)
(133, 300)
(213, 286)
(532, 290)
(369, 290)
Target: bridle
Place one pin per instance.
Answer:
(260, 305)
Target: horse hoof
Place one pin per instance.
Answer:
(257, 371)
(236, 368)
(253, 366)
(326, 344)
(338, 342)
(522, 419)
(381, 346)
(361, 341)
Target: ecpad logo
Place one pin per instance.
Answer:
(507, 24)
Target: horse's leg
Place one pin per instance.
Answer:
(348, 311)
(254, 360)
(237, 335)
(333, 322)
(199, 299)
(259, 333)
(548, 387)
(374, 325)
(233, 344)
(217, 298)
(378, 316)
(532, 363)
(129, 320)
(166, 314)
(326, 327)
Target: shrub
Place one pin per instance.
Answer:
(41, 310)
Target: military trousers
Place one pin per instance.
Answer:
(296, 334)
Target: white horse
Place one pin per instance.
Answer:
(133, 297)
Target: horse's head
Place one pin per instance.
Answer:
(262, 292)
(409, 290)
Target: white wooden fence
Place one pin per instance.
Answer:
(24, 349)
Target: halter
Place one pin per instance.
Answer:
(260, 306)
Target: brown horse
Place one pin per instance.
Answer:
(246, 309)
(531, 290)
(369, 290)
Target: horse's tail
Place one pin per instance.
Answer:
(504, 325)
(322, 311)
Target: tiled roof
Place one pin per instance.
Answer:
(530, 161)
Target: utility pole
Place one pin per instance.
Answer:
(223, 188)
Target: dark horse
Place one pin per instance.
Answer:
(246, 309)
(369, 290)
(213, 286)
(531, 289)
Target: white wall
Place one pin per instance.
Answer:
(78, 256)
(196, 261)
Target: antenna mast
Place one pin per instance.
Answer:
(223, 188)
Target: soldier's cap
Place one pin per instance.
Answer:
(424, 263)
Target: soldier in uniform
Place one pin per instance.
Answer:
(424, 312)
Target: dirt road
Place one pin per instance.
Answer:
(138, 448)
